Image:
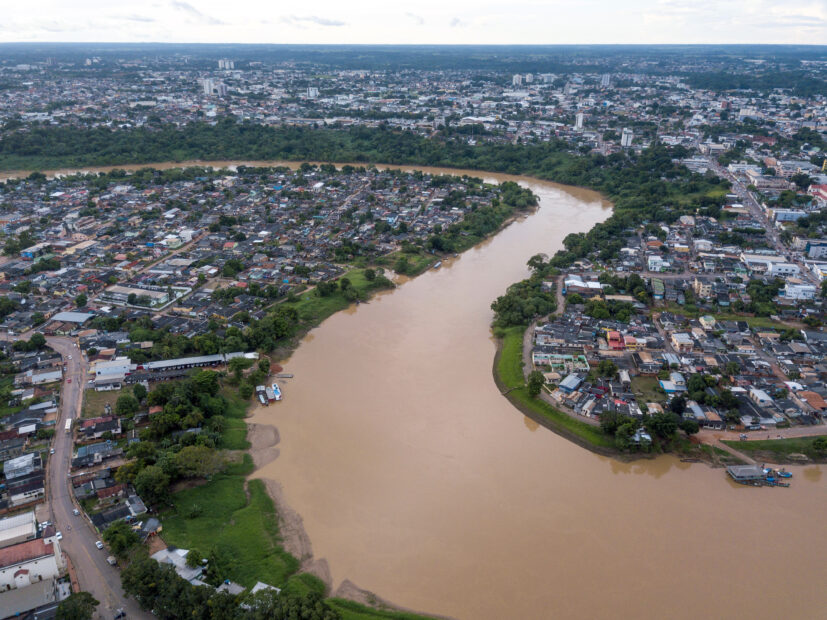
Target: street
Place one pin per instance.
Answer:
(94, 574)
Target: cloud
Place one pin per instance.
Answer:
(314, 20)
(186, 7)
(458, 23)
(417, 18)
(136, 18)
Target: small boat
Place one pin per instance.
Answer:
(276, 391)
(437, 264)
(284, 375)
(785, 474)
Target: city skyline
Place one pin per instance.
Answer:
(429, 22)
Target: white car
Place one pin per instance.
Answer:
(59, 536)
(99, 544)
(76, 512)
(70, 357)
(52, 451)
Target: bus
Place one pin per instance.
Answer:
(69, 425)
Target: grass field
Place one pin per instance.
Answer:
(510, 363)
(313, 308)
(510, 374)
(355, 611)
(94, 402)
(644, 389)
(417, 262)
(241, 527)
(235, 429)
(778, 450)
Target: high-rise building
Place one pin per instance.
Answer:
(208, 84)
(606, 80)
(578, 124)
(312, 92)
(226, 64)
(529, 78)
(626, 137)
(517, 80)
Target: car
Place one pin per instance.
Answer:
(99, 544)
(111, 560)
(69, 380)
(76, 512)
(120, 613)
(44, 525)
(59, 535)
(70, 357)
(52, 451)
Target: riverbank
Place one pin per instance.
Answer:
(787, 451)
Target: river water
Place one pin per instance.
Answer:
(417, 480)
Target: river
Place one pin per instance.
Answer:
(417, 480)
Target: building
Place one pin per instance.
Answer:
(605, 80)
(702, 289)
(21, 466)
(27, 563)
(682, 342)
(578, 124)
(18, 529)
(517, 80)
(312, 92)
(799, 292)
(816, 249)
(626, 137)
(745, 473)
(783, 270)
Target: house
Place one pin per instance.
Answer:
(760, 397)
(26, 563)
(570, 383)
(178, 559)
(682, 342)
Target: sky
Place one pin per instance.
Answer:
(420, 22)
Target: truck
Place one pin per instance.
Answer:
(69, 425)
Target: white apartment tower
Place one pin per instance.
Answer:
(626, 137)
(606, 80)
(578, 123)
(517, 80)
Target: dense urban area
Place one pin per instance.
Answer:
(144, 310)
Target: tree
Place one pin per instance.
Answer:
(139, 391)
(37, 341)
(678, 405)
(194, 558)
(198, 462)
(79, 606)
(535, 383)
(245, 390)
(663, 424)
(80, 301)
(264, 365)
(607, 368)
(120, 537)
(152, 484)
(690, 427)
(370, 274)
(820, 444)
(126, 405)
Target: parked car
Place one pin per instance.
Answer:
(76, 512)
(59, 536)
(120, 614)
(99, 544)
(52, 451)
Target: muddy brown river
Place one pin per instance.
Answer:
(417, 480)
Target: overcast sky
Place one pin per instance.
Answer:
(422, 21)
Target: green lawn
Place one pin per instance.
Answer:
(418, 262)
(355, 611)
(779, 449)
(510, 363)
(94, 402)
(235, 428)
(313, 308)
(241, 527)
(644, 389)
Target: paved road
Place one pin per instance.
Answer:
(94, 574)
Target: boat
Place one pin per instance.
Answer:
(284, 375)
(262, 399)
(270, 395)
(276, 391)
(783, 473)
(437, 264)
